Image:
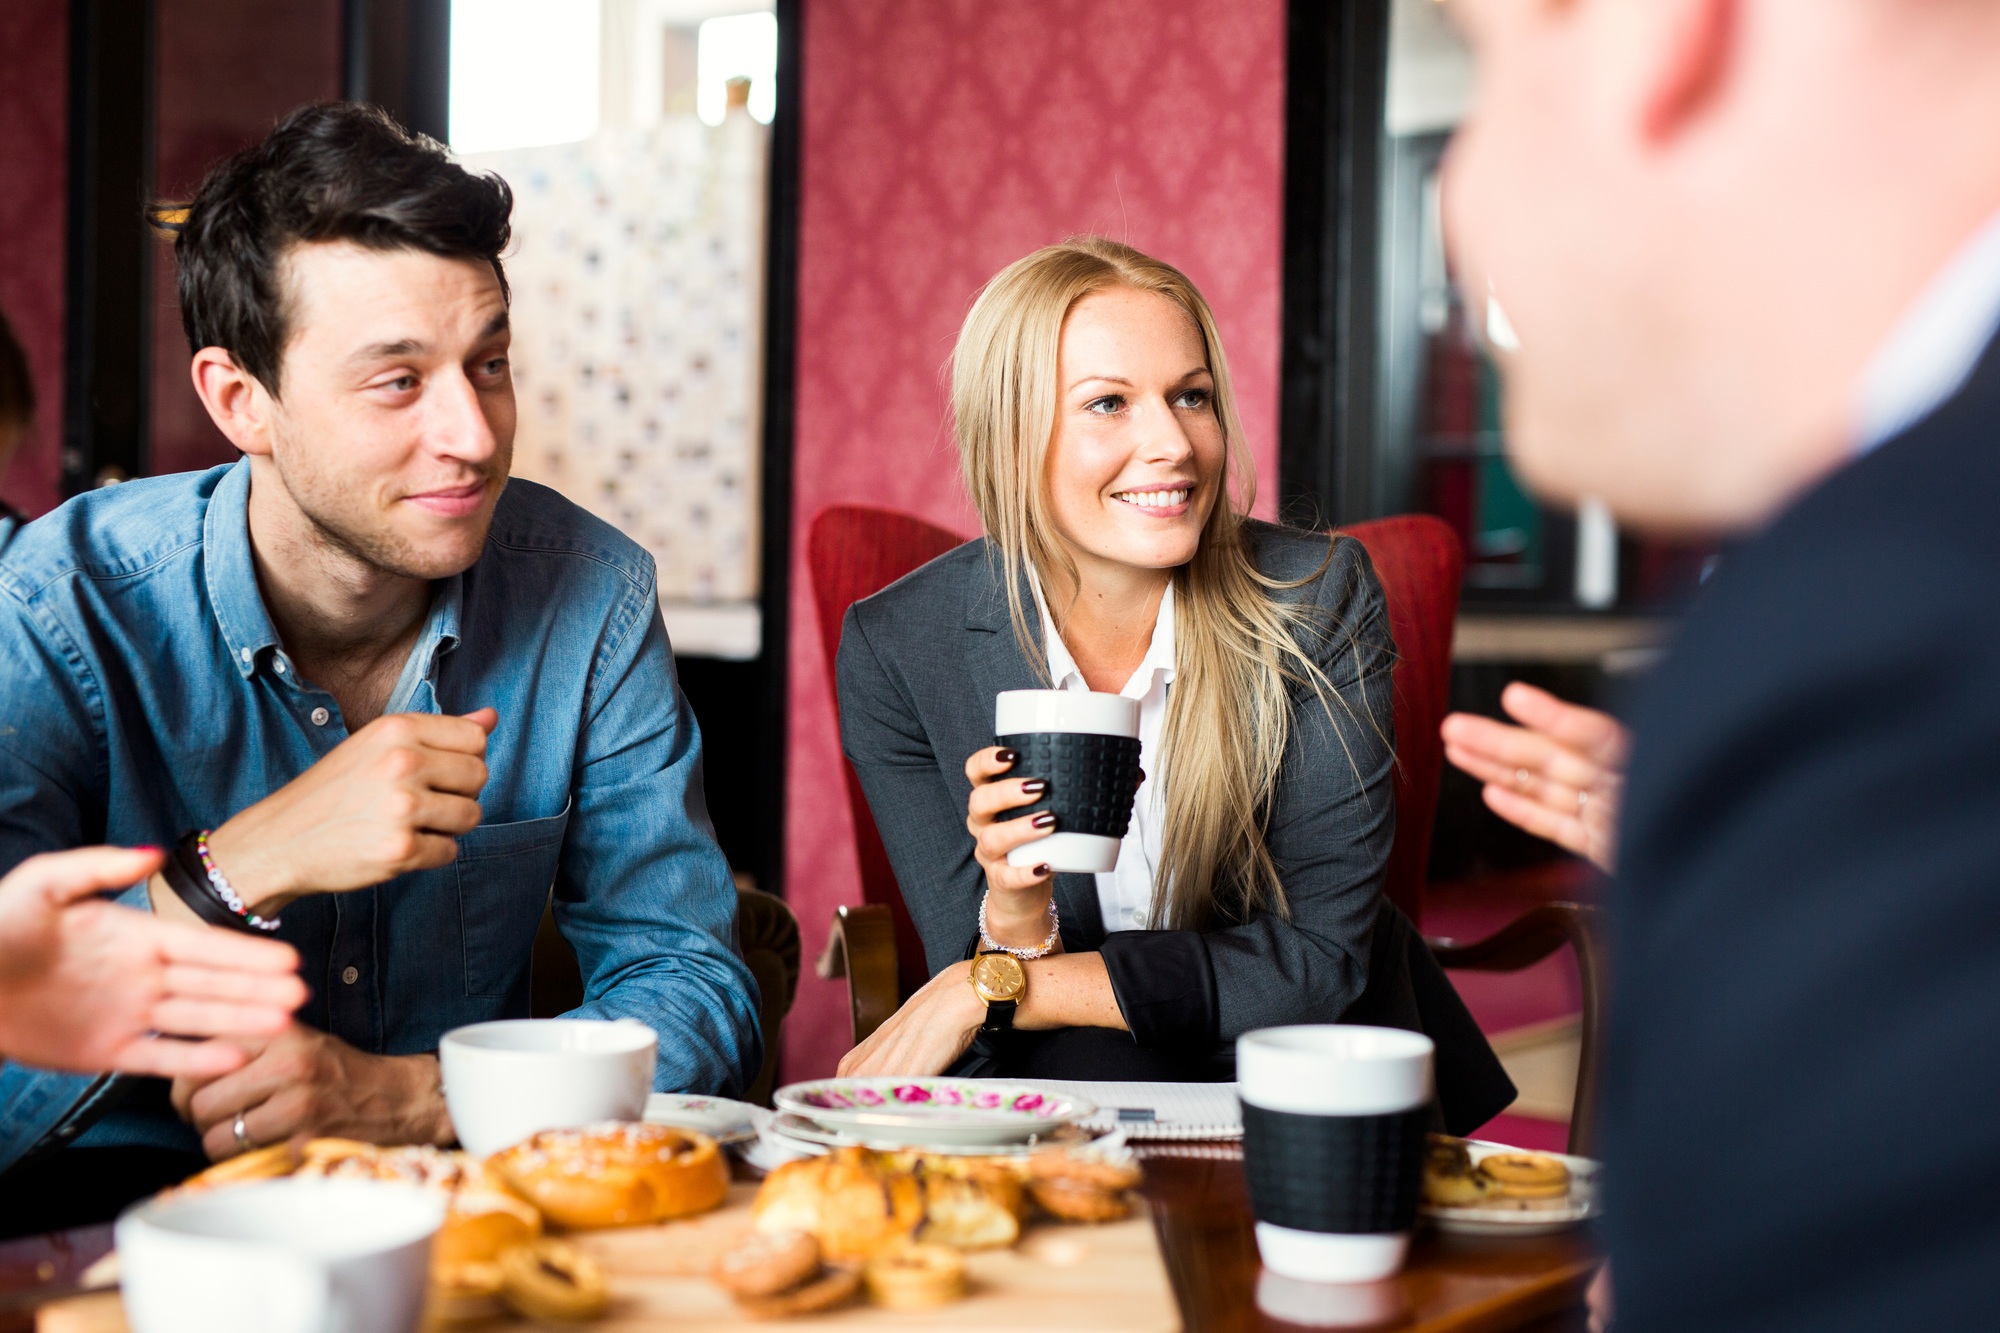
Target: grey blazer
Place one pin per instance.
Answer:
(919, 665)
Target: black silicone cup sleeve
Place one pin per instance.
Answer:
(1092, 779)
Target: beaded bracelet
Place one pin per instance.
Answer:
(1044, 950)
(227, 891)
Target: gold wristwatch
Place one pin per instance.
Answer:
(999, 979)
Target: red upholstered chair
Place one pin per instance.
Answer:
(854, 550)
(1420, 563)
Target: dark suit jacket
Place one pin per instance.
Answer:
(1803, 1082)
(920, 663)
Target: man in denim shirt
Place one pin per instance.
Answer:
(404, 702)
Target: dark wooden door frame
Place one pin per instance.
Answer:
(397, 55)
(107, 336)
(1335, 87)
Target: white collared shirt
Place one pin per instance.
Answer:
(1935, 345)
(1125, 894)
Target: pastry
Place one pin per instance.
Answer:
(266, 1163)
(834, 1286)
(1072, 1201)
(850, 1200)
(1450, 1179)
(767, 1263)
(616, 1174)
(484, 1218)
(552, 1279)
(1093, 1167)
(980, 1211)
(1526, 1175)
(915, 1277)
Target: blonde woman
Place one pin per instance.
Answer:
(1101, 445)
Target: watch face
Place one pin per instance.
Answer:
(998, 976)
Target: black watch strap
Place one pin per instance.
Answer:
(185, 876)
(999, 1016)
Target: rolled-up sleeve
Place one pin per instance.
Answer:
(643, 893)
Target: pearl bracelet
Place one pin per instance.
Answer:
(1047, 946)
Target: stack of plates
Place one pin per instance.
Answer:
(941, 1115)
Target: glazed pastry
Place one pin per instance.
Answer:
(915, 1277)
(768, 1263)
(849, 1200)
(484, 1218)
(616, 1174)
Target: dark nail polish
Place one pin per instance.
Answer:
(1007, 757)
(1046, 819)
(1044, 871)
(1035, 786)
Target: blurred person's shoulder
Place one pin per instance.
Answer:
(119, 535)
(534, 525)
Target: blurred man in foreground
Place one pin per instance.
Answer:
(1752, 252)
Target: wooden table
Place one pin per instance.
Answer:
(1201, 1209)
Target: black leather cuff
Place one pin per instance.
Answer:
(1165, 987)
(185, 875)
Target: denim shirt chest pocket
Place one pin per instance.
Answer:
(504, 873)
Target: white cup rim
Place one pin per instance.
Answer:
(618, 1037)
(1335, 1069)
(1084, 712)
(168, 1217)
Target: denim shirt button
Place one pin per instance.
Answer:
(320, 717)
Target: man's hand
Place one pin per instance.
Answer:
(387, 800)
(304, 1082)
(1558, 775)
(87, 985)
(927, 1035)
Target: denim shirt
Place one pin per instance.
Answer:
(144, 692)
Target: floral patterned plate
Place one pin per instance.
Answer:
(933, 1110)
(721, 1119)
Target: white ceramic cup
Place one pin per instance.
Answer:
(280, 1256)
(1333, 1069)
(507, 1080)
(1025, 712)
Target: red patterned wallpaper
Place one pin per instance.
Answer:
(943, 139)
(34, 144)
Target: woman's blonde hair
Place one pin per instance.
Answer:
(1236, 654)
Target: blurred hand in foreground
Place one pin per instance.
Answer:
(90, 986)
(1558, 775)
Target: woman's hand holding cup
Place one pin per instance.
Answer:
(1017, 897)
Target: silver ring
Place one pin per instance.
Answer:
(242, 1139)
(1521, 779)
(1582, 799)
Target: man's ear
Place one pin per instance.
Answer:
(238, 404)
(1693, 43)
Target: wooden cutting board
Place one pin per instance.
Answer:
(1058, 1278)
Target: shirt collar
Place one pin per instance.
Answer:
(1158, 661)
(1936, 345)
(238, 603)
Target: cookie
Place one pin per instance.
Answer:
(1098, 1170)
(835, 1286)
(1529, 1170)
(552, 1279)
(768, 1263)
(915, 1277)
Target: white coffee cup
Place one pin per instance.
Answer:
(1057, 713)
(280, 1256)
(1340, 1072)
(507, 1080)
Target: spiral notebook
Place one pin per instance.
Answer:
(1158, 1111)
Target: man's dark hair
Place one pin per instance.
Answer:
(331, 171)
(17, 387)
